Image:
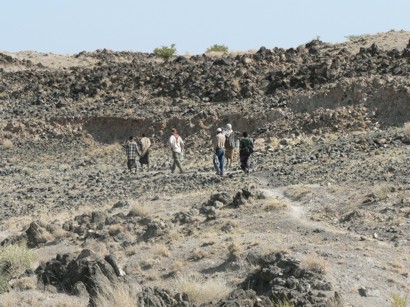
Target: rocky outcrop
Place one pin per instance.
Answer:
(284, 280)
(114, 96)
(70, 273)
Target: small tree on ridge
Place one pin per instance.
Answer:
(165, 52)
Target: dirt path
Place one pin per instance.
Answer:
(366, 271)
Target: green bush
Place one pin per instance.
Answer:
(399, 301)
(15, 259)
(217, 48)
(4, 283)
(165, 52)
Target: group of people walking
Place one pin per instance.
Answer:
(134, 150)
(224, 144)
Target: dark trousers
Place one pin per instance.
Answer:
(244, 162)
(131, 164)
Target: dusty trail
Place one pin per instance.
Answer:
(358, 267)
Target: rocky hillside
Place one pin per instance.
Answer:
(314, 86)
(322, 220)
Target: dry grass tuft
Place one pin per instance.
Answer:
(97, 247)
(115, 294)
(7, 144)
(138, 210)
(115, 230)
(24, 283)
(178, 266)
(200, 290)
(381, 191)
(4, 283)
(276, 204)
(297, 193)
(162, 250)
(129, 112)
(235, 251)
(198, 254)
(316, 264)
(15, 259)
(105, 150)
(399, 300)
(283, 303)
(406, 129)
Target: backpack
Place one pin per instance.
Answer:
(230, 141)
(246, 147)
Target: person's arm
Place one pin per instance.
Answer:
(171, 141)
(182, 144)
(137, 148)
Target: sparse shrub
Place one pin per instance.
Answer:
(398, 300)
(165, 52)
(407, 129)
(162, 250)
(380, 191)
(4, 283)
(297, 193)
(15, 259)
(138, 210)
(25, 283)
(235, 251)
(129, 112)
(283, 303)
(115, 230)
(217, 48)
(106, 150)
(275, 204)
(316, 264)
(198, 254)
(115, 294)
(178, 266)
(200, 290)
(7, 144)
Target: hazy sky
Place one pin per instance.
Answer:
(71, 26)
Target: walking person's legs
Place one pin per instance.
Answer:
(216, 163)
(222, 164)
(174, 164)
(244, 162)
(177, 162)
(221, 154)
(131, 165)
(228, 157)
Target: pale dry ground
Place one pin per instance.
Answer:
(384, 40)
(49, 60)
(293, 219)
(277, 223)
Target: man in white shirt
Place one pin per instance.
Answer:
(177, 147)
